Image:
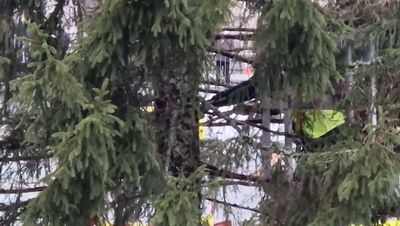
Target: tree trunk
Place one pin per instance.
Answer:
(176, 120)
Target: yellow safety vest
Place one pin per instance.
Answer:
(315, 123)
(387, 223)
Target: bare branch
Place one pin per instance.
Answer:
(21, 190)
(24, 158)
(235, 182)
(215, 171)
(208, 90)
(242, 37)
(239, 29)
(232, 56)
(233, 205)
(234, 123)
(13, 206)
(218, 124)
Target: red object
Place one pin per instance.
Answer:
(248, 71)
(93, 222)
(224, 223)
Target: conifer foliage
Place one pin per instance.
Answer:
(297, 51)
(75, 119)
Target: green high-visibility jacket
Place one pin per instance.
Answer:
(318, 122)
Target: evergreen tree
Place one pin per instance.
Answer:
(75, 118)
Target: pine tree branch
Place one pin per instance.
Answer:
(235, 182)
(24, 158)
(215, 171)
(241, 37)
(239, 29)
(246, 0)
(236, 50)
(13, 206)
(208, 90)
(11, 212)
(10, 144)
(221, 124)
(232, 56)
(234, 122)
(22, 190)
(233, 205)
(231, 85)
